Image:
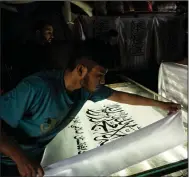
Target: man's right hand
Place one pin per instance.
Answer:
(28, 168)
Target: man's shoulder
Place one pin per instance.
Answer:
(43, 78)
(35, 82)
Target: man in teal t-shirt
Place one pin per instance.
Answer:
(41, 105)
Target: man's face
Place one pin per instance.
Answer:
(47, 33)
(94, 78)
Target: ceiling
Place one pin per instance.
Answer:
(87, 6)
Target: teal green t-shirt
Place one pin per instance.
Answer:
(40, 107)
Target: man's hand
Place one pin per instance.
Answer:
(132, 99)
(171, 107)
(28, 168)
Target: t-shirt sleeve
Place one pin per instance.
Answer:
(16, 102)
(101, 94)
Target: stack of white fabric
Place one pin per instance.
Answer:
(173, 84)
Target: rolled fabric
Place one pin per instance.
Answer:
(124, 152)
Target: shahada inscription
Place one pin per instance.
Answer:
(107, 124)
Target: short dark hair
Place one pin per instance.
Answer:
(39, 25)
(95, 50)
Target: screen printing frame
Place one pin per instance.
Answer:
(167, 169)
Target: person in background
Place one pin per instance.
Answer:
(44, 103)
(34, 54)
(44, 32)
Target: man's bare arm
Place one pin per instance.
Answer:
(8, 147)
(133, 99)
(25, 166)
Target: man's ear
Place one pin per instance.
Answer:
(81, 70)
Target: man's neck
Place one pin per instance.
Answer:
(70, 81)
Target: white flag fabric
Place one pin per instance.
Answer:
(106, 137)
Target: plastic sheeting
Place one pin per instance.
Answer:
(169, 38)
(134, 37)
(143, 41)
(123, 152)
(135, 41)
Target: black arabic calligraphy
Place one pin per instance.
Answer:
(80, 139)
(110, 122)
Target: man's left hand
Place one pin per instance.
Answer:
(171, 107)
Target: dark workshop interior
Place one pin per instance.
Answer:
(140, 36)
(139, 59)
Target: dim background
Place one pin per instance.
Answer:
(165, 43)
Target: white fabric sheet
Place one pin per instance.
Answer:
(142, 142)
(109, 119)
(173, 85)
(172, 82)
